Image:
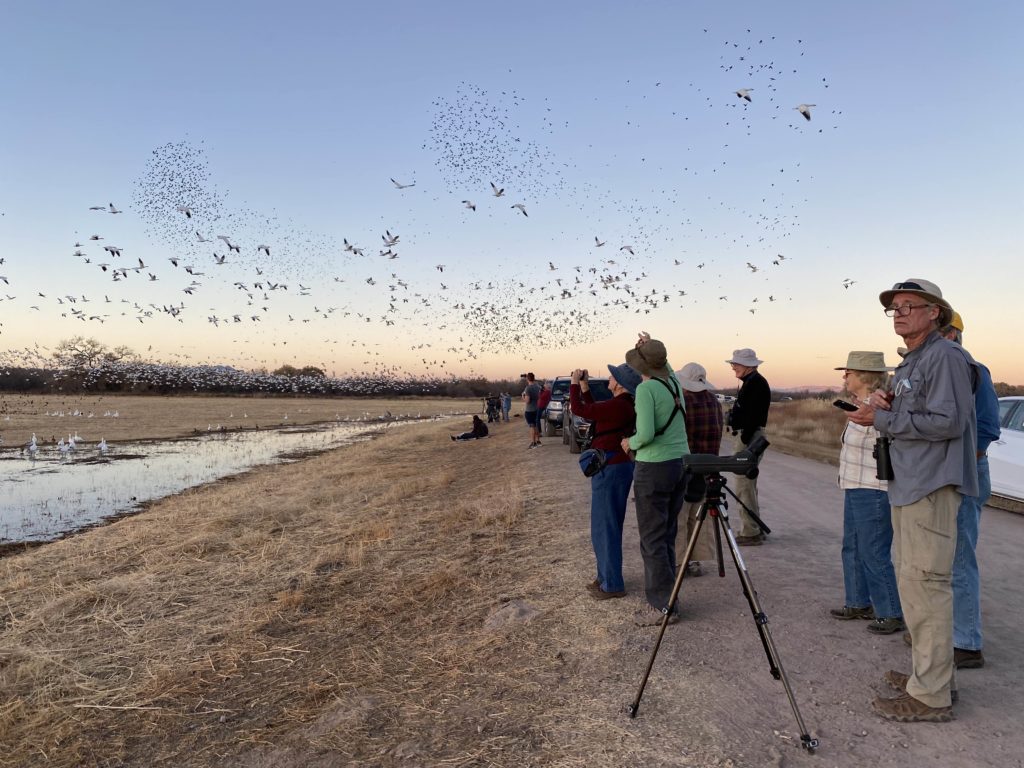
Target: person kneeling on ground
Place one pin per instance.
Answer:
(479, 430)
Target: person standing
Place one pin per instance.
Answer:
(609, 489)
(748, 417)
(930, 422)
(868, 576)
(659, 481)
(542, 403)
(703, 417)
(506, 405)
(530, 396)
(967, 636)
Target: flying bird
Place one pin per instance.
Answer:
(628, 249)
(184, 209)
(744, 93)
(399, 185)
(497, 192)
(598, 243)
(469, 204)
(521, 208)
(805, 110)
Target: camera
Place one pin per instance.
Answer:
(740, 463)
(522, 375)
(883, 462)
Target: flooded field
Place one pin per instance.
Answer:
(52, 492)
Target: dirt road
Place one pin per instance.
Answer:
(711, 697)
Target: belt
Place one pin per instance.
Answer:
(982, 454)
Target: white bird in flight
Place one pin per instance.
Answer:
(805, 110)
(744, 93)
(469, 204)
(186, 210)
(201, 238)
(113, 209)
(628, 249)
(598, 243)
(521, 208)
(497, 192)
(399, 185)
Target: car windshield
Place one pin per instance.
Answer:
(560, 388)
(599, 389)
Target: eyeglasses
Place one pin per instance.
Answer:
(904, 309)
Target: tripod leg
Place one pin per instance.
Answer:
(702, 514)
(753, 515)
(761, 622)
(718, 541)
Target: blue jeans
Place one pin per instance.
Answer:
(966, 581)
(659, 488)
(868, 574)
(609, 491)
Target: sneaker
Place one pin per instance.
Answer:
(694, 568)
(452, 437)
(749, 541)
(598, 593)
(531, 445)
(965, 659)
(847, 612)
(898, 682)
(649, 616)
(906, 709)
(887, 626)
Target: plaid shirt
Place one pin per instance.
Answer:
(703, 422)
(856, 465)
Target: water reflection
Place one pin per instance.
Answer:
(58, 492)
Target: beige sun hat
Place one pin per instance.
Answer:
(694, 378)
(745, 357)
(865, 361)
(928, 291)
(650, 359)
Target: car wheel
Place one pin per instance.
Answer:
(565, 431)
(575, 446)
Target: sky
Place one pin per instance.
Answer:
(724, 223)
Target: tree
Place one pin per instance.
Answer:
(291, 371)
(79, 353)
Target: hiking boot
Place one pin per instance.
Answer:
(887, 626)
(848, 612)
(694, 568)
(749, 541)
(906, 709)
(649, 616)
(965, 659)
(598, 593)
(898, 682)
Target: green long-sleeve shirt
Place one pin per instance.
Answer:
(654, 405)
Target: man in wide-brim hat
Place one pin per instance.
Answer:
(930, 421)
(748, 418)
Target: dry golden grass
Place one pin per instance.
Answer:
(808, 428)
(336, 604)
(154, 417)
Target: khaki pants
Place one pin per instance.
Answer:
(924, 540)
(704, 549)
(745, 489)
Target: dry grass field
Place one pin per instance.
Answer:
(809, 428)
(154, 417)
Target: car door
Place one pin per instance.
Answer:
(1006, 455)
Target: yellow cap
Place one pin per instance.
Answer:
(957, 322)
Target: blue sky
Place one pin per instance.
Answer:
(603, 120)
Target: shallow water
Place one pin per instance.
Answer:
(53, 494)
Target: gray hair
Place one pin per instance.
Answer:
(957, 334)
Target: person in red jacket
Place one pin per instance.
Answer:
(609, 489)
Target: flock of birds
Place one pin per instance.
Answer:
(260, 281)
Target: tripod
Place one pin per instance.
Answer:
(715, 506)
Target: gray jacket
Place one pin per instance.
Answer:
(932, 423)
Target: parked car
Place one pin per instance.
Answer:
(574, 430)
(552, 415)
(1006, 455)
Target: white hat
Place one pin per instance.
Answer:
(694, 378)
(745, 357)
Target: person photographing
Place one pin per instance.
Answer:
(609, 489)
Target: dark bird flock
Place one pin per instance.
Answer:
(514, 235)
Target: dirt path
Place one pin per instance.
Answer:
(420, 603)
(711, 696)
